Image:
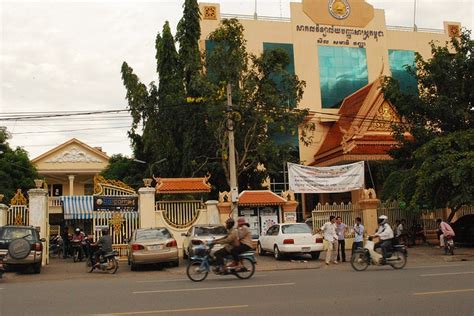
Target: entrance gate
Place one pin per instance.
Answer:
(18, 213)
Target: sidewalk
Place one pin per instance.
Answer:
(61, 269)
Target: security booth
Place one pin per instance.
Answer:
(261, 209)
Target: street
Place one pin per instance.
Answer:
(439, 288)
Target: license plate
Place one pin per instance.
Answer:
(306, 249)
(155, 247)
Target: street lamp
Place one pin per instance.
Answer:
(150, 167)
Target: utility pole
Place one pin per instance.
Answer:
(234, 189)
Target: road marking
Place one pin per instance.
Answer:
(438, 266)
(449, 273)
(154, 281)
(444, 292)
(214, 288)
(196, 309)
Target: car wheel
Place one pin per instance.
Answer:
(37, 267)
(276, 253)
(260, 250)
(19, 249)
(133, 266)
(174, 263)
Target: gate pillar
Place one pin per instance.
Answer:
(39, 217)
(368, 203)
(3, 214)
(146, 207)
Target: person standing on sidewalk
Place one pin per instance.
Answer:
(358, 234)
(341, 241)
(330, 235)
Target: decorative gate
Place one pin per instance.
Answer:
(18, 213)
(121, 223)
(180, 214)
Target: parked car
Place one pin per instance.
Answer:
(464, 229)
(150, 246)
(21, 247)
(200, 234)
(285, 239)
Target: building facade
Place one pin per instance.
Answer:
(337, 47)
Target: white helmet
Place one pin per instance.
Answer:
(382, 219)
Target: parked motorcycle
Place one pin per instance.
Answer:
(201, 263)
(2, 267)
(363, 257)
(449, 246)
(55, 246)
(107, 262)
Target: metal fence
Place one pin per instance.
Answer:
(348, 213)
(180, 214)
(18, 215)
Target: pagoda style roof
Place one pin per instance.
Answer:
(363, 130)
(260, 198)
(182, 185)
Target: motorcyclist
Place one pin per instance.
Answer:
(446, 231)
(244, 236)
(385, 234)
(78, 237)
(105, 246)
(229, 242)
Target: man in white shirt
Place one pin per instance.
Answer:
(385, 233)
(330, 235)
(358, 234)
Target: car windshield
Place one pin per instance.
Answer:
(209, 231)
(295, 229)
(14, 233)
(157, 233)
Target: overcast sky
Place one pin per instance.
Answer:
(66, 55)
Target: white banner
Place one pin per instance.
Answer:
(343, 178)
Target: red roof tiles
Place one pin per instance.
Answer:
(260, 198)
(182, 185)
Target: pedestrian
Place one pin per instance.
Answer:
(66, 242)
(358, 234)
(330, 235)
(341, 241)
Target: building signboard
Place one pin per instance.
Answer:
(116, 203)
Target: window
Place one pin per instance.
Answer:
(296, 229)
(209, 231)
(157, 233)
(342, 71)
(88, 189)
(399, 61)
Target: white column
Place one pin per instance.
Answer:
(3, 214)
(146, 207)
(212, 212)
(38, 208)
(71, 185)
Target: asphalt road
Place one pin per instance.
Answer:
(438, 289)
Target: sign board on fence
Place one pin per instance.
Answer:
(343, 178)
(290, 217)
(116, 203)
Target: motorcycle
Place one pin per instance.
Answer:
(107, 262)
(363, 257)
(2, 267)
(449, 246)
(201, 263)
(55, 246)
(77, 250)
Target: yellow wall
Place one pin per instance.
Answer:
(305, 49)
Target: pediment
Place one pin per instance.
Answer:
(72, 153)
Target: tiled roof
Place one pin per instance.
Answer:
(260, 198)
(182, 185)
(348, 111)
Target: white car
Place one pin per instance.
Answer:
(296, 238)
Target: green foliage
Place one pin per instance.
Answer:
(16, 170)
(126, 170)
(433, 165)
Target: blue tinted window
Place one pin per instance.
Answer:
(399, 60)
(342, 71)
(290, 138)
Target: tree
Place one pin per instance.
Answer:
(16, 170)
(127, 170)
(433, 162)
(262, 107)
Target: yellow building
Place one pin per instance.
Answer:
(68, 170)
(336, 46)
